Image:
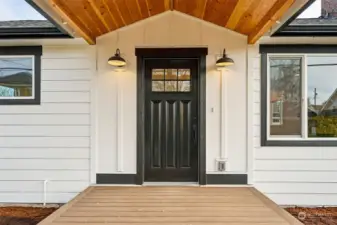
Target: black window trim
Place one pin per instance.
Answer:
(266, 49)
(35, 51)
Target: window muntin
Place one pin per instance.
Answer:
(171, 80)
(318, 106)
(17, 76)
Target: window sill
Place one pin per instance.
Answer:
(299, 143)
(35, 101)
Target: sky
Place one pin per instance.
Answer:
(323, 78)
(18, 10)
(313, 11)
(10, 66)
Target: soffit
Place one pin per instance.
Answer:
(93, 18)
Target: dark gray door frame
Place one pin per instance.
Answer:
(144, 54)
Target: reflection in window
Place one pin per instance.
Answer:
(16, 78)
(277, 113)
(158, 74)
(171, 80)
(285, 96)
(322, 96)
(158, 86)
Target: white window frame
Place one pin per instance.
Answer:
(33, 77)
(304, 103)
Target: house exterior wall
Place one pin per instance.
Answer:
(50, 141)
(289, 175)
(116, 91)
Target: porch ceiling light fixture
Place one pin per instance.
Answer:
(117, 60)
(224, 61)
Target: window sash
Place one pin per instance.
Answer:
(303, 90)
(304, 103)
(33, 77)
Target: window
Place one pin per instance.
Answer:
(171, 80)
(299, 95)
(20, 75)
(285, 95)
(322, 96)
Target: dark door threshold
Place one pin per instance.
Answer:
(226, 179)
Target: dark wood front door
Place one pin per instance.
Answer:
(171, 120)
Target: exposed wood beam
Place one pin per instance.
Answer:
(241, 7)
(68, 16)
(134, 10)
(113, 13)
(148, 8)
(139, 9)
(204, 10)
(119, 13)
(168, 4)
(94, 6)
(278, 9)
(110, 14)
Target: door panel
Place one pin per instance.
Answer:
(171, 120)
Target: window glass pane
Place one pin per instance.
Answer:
(16, 78)
(158, 86)
(170, 86)
(184, 86)
(322, 96)
(158, 74)
(171, 74)
(285, 96)
(184, 74)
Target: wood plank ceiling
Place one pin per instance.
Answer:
(92, 18)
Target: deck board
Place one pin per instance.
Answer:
(170, 206)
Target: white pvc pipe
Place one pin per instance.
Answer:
(119, 123)
(45, 182)
(223, 116)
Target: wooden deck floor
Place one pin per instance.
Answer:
(170, 206)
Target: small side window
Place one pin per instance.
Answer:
(171, 80)
(20, 75)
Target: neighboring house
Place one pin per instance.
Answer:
(68, 119)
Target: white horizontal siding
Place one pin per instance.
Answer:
(70, 75)
(65, 85)
(50, 141)
(44, 164)
(291, 175)
(42, 119)
(48, 108)
(37, 186)
(295, 165)
(51, 52)
(61, 97)
(298, 188)
(44, 142)
(295, 176)
(44, 131)
(44, 153)
(41, 175)
(299, 153)
(66, 63)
